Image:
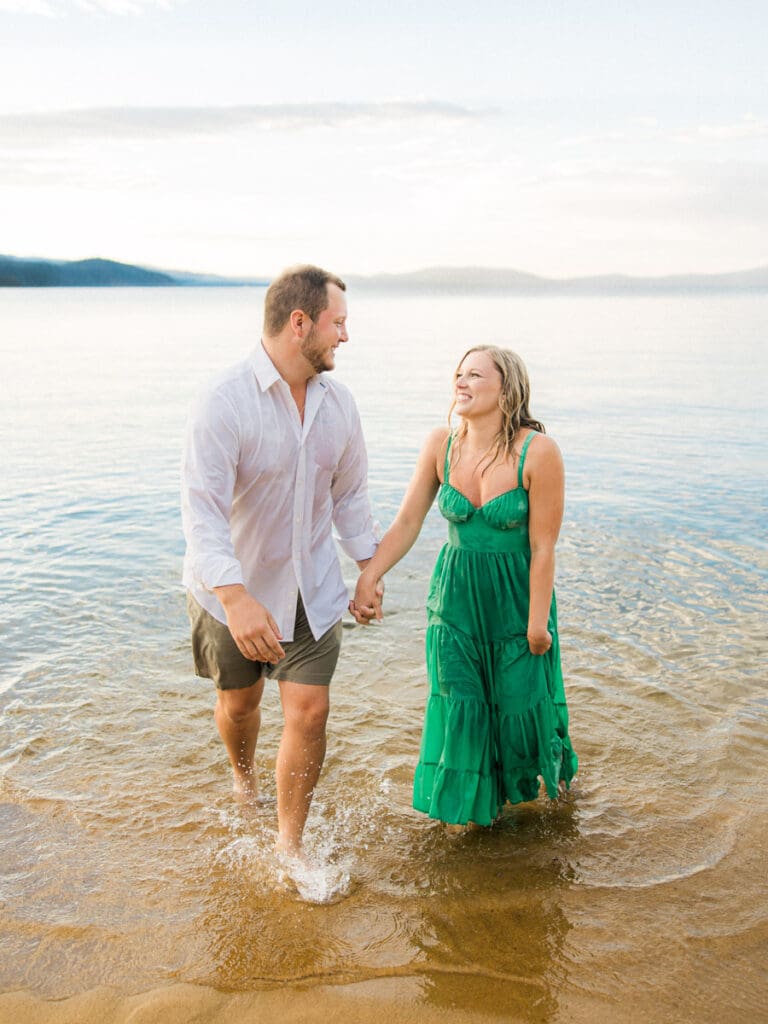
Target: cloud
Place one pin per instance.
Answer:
(60, 8)
(748, 127)
(36, 7)
(645, 131)
(160, 123)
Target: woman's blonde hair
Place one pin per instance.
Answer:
(513, 402)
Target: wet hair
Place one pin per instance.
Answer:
(513, 402)
(302, 287)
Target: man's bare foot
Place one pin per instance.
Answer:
(313, 881)
(245, 787)
(294, 852)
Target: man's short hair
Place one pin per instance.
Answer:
(303, 287)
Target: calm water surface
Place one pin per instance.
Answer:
(125, 862)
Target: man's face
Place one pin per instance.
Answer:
(327, 332)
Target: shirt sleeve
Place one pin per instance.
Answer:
(208, 474)
(354, 525)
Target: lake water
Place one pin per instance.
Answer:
(131, 882)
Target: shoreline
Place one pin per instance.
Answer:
(363, 1002)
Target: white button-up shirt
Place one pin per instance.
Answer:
(262, 493)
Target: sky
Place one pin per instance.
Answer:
(559, 138)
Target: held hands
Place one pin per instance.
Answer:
(252, 627)
(539, 640)
(366, 604)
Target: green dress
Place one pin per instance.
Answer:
(496, 718)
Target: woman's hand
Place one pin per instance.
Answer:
(366, 604)
(539, 641)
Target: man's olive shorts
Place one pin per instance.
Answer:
(217, 656)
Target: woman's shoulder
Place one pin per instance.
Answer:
(436, 441)
(434, 449)
(542, 454)
(543, 445)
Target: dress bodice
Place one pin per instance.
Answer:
(500, 524)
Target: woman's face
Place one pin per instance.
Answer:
(478, 385)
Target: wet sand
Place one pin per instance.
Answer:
(357, 1004)
(181, 1004)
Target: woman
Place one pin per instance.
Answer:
(496, 718)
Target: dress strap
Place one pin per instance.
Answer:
(447, 466)
(523, 452)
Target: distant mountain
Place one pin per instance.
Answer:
(16, 272)
(467, 279)
(183, 277)
(95, 273)
(515, 282)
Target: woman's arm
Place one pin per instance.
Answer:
(546, 498)
(401, 535)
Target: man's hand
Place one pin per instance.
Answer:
(367, 602)
(252, 627)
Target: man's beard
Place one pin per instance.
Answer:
(316, 357)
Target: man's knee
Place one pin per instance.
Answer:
(305, 708)
(239, 705)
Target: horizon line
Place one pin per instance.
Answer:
(442, 268)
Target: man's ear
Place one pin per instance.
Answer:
(299, 322)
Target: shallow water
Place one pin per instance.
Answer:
(126, 862)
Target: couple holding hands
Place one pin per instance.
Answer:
(274, 464)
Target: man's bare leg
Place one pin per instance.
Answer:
(299, 759)
(238, 719)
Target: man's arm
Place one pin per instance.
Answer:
(209, 473)
(352, 519)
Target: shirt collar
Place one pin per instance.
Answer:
(265, 370)
(267, 373)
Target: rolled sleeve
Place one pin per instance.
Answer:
(361, 547)
(213, 572)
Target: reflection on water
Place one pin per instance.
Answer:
(126, 862)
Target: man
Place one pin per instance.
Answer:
(274, 458)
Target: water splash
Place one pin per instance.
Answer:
(313, 877)
(313, 881)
